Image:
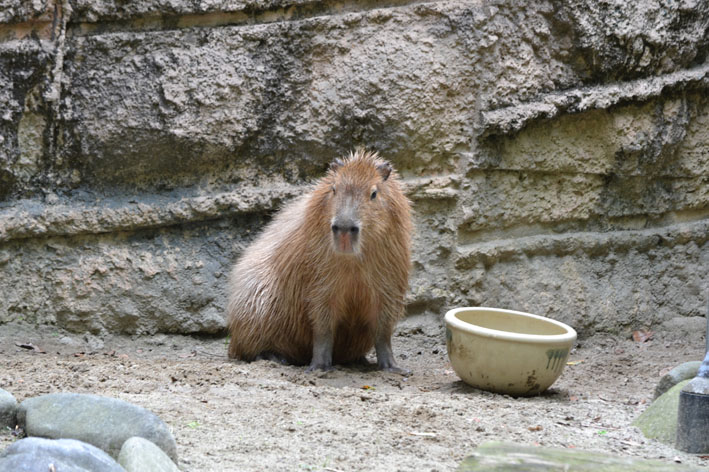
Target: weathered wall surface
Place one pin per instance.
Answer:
(557, 153)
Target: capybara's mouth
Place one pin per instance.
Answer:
(345, 242)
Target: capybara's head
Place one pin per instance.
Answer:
(360, 200)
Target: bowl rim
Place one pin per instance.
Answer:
(568, 336)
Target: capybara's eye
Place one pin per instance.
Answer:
(374, 195)
(333, 190)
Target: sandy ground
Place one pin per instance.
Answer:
(233, 416)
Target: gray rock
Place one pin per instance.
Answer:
(141, 455)
(685, 371)
(8, 410)
(104, 422)
(659, 420)
(65, 455)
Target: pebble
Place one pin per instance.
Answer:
(61, 455)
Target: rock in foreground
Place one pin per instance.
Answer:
(682, 372)
(104, 422)
(139, 454)
(491, 457)
(61, 455)
(659, 420)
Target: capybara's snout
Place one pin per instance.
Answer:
(345, 233)
(352, 228)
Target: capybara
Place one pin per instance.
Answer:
(326, 279)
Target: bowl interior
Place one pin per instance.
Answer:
(511, 322)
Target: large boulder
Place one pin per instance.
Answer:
(104, 422)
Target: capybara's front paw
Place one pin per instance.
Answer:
(315, 366)
(398, 370)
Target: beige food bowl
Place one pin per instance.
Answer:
(507, 351)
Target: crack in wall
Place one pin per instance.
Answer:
(601, 225)
(31, 220)
(509, 120)
(53, 92)
(491, 252)
(249, 15)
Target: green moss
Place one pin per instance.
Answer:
(659, 421)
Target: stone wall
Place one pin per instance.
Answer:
(557, 153)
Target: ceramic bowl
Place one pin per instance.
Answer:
(506, 351)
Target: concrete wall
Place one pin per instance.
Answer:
(557, 153)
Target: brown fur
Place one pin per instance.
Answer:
(291, 282)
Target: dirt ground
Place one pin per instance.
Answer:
(233, 416)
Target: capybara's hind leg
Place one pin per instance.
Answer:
(362, 362)
(237, 351)
(272, 356)
(234, 351)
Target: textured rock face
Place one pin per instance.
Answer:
(556, 152)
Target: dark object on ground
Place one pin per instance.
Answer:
(693, 413)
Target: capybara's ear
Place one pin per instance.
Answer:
(336, 164)
(384, 169)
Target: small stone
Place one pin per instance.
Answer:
(104, 422)
(682, 372)
(139, 454)
(95, 343)
(69, 341)
(65, 455)
(8, 410)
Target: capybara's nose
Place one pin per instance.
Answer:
(345, 228)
